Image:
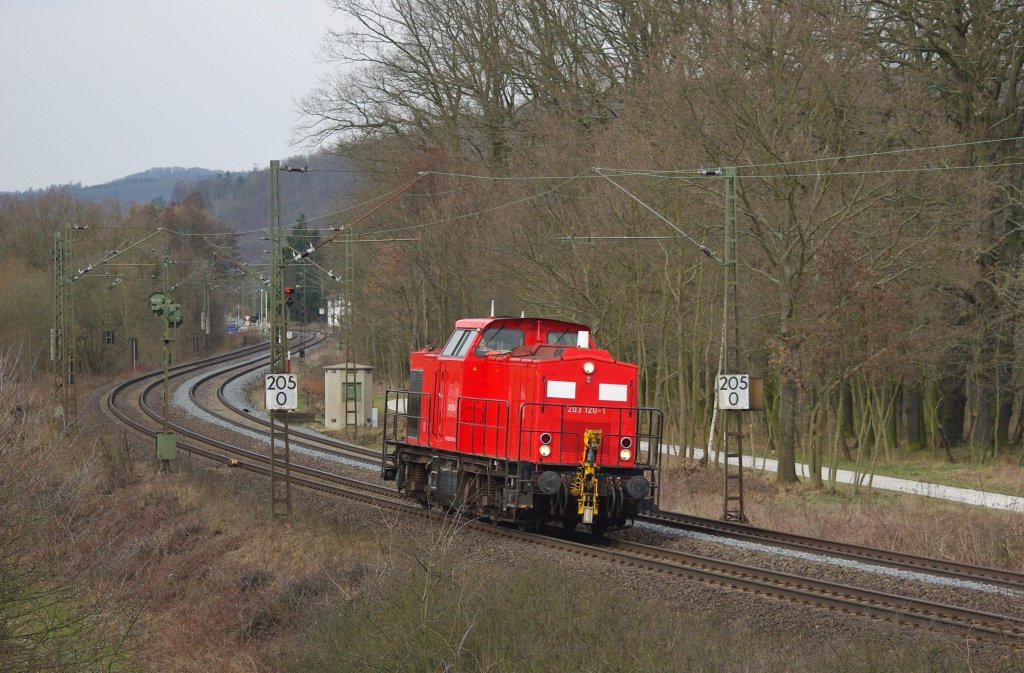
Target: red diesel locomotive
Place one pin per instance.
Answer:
(522, 420)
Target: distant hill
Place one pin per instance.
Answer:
(239, 199)
(155, 184)
(242, 199)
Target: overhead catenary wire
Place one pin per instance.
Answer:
(674, 174)
(670, 173)
(703, 248)
(605, 173)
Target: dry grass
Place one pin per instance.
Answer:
(913, 524)
(227, 588)
(222, 582)
(1002, 474)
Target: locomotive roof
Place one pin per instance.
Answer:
(484, 323)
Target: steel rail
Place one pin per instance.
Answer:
(876, 604)
(327, 445)
(892, 559)
(254, 457)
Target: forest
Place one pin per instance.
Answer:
(566, 160)
(564, 150)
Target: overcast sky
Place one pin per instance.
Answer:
(93, 90)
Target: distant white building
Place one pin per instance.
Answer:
(336, 308)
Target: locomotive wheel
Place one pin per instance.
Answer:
(569, 522)
(532, 525)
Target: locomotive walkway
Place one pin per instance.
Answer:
(968, 496)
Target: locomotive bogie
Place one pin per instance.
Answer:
(516, 492)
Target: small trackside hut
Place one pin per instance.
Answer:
(522, 420)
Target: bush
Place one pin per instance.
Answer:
(432, 608)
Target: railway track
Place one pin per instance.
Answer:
(970, 624)
(218, 403)
(907, 562)
(227, 453)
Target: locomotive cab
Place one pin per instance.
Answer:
(522, 419)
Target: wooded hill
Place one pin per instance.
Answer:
(194, 231)
(151, 185)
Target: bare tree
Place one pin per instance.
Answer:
(430, 72)
(971, 57)
(805, 88)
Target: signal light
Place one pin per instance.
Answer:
(289, 295)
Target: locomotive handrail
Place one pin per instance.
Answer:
(647, 433)
(482, 418)
(491, 410)
(392, 417)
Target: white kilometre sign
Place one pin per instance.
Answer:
(282, 392)
(733, 391)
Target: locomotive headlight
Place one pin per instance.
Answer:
(588, 367)
(545, 450)
(625, 446)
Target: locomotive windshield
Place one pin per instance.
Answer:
(499, 339)
(459, 343)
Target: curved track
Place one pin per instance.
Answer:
(230, 413)
(970, 624)
(892, 559)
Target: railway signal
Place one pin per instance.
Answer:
(162, 307)
(289, 295)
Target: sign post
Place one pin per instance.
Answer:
(280, 449)
(734, 391)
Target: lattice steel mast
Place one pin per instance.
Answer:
(62, 343)
(280, 451)
(732, 420)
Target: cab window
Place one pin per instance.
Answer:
(562, 338)
(458, 343)
(499, 339)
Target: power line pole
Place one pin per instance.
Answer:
(280, 451)
(349, 389)
(62, 343)
(204, 318)
(732, 419)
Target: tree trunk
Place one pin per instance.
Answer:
(846, 432)
(787, 430)
(913, 406)
(981, 434)
(952, 404)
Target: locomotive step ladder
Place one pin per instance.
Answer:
(510, 497)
